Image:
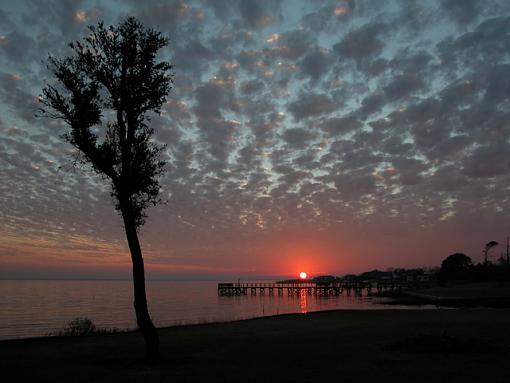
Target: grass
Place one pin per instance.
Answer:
(83, 327)
(464, 345)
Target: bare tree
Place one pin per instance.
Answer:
(105, 92)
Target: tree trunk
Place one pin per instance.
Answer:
(143, 319)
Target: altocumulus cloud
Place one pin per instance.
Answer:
(336, 119)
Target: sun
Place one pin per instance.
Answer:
(302, 275)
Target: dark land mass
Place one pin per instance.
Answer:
(456, 294)
(446, 345)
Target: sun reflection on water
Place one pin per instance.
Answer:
(303, 301)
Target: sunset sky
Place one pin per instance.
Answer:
(320, 136)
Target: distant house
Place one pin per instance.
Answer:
(324, 279)
(349, 278)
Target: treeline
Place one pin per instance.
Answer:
(418, 275)
(459, 266)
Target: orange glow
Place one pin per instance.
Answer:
(302, 275)
(313, 256)
(339, 11)
(303, 304)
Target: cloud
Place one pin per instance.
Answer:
(487, 43)
(286, 120)
(462, 11)
(292, 45)
(409, 170)
(17, 97)
(297, 138)
(316, 64)
(252, 86)
(166, 15)
(363, 43)
(193, 57)
(67, 17)
(403, 86)
(259, 14)
(488, 161)
(338, 125)
(354, 186)
(16, 45)
(309, 105)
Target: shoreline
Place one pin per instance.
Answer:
(463, 345)
(482, 294)
(388, 306)
(390, 300)
(412, 299)
(455, 295)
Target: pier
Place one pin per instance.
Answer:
(309, 288)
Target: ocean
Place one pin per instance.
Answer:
(32, 308)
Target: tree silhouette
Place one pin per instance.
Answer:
(455, 266)
(489, 246)
(104, 92)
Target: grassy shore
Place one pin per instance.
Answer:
(464, 345)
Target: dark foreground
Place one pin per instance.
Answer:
(464, 345)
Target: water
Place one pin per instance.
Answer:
(37, 308)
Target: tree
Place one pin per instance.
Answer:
(488, 246)
(104, 92)
(455, 266)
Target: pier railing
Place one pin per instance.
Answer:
(310, 288)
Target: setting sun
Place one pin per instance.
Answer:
(302, 275)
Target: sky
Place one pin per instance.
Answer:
(323, 136)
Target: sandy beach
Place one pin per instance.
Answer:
(454, 345)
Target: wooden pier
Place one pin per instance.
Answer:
(309, 288)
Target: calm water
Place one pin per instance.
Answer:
(36, 308)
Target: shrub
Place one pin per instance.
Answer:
(78, 327)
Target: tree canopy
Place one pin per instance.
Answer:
(455, 266)
(105, 92)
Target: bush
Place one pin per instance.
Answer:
(78, 327)
(82, 327)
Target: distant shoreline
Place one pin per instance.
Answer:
(416, 299)
(482, 294)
